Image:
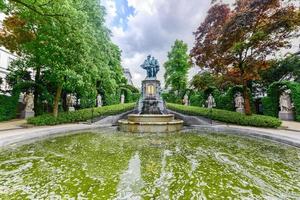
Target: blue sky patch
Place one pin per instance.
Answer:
(123, 12)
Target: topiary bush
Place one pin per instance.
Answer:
(80, 115)
(271, 102)
(227, 116)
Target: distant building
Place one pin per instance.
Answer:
(128, 76)
(5, 59)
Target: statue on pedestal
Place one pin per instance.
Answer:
(122, 99)
(210, 101)
(70, 102)
(99, 101)
(29, 105)
(286, 106)
(185, 100)
(152, 66)
(239, 103)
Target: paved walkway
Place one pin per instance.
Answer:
(13, 124)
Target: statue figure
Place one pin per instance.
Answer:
(70, 100)
(239, 101)
(122, 99)
(152, 66)
(186, 100)
(285, 102)
(99, 100)
(28, 101)
(210, 101)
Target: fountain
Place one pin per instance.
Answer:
(152, 116)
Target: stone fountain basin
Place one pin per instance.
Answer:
(150, 124)
(150, 118)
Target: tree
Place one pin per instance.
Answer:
(67, 44)
(177, 67)
(239, 42)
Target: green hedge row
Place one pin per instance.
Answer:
(227, 116)
(8, 106)
(80, 115)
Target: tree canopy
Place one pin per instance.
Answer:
(177, 67)
(239, 41)
(67, 45)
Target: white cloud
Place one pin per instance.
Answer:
(111, 11)
(154, 28)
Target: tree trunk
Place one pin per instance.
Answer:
(247, 99)
(56, 100)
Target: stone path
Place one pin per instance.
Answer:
(13, 124)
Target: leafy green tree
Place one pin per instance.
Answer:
(67, 45)
(177, 67)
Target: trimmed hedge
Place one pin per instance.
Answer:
(80, 115)
(227, 116)
(8, 106)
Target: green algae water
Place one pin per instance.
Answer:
(167, 166)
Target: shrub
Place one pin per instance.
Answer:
(170, 97)
(80, 115)
(8, 106)
(197, 99)
(227, 116)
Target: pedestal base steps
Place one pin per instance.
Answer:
(150, 124)
(286, 115)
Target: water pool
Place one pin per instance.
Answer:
(101, 165)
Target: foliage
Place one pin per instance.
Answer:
(80, 115)
(226, 100)
(197, 99)
(131, 93)
(68, 46)
(284, 69)
(237, 41)
(171, 97)
(177, 67)
(8, 106)
(271, 102)
(207, 79)
(227, 116)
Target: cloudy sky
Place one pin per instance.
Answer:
(143, 27)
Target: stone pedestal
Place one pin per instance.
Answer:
(151, 101)
(27, 114)
(240, 110)
(286, 115)
(71, 109)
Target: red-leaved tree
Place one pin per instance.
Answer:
(240, 41)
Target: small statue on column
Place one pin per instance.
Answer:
(239, 103)
(122, 99)
(186, 100)
(99, 101)
(29, 105)
(210, 101)
(286, 106)
(70, 103)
